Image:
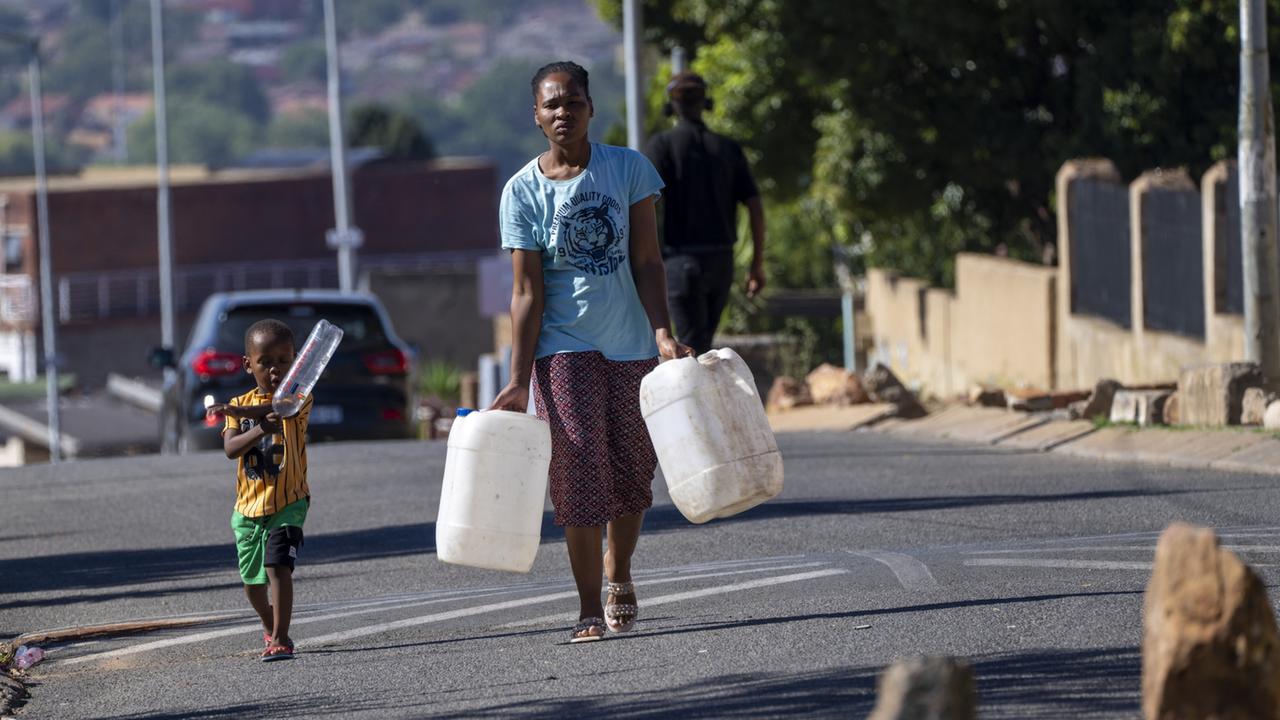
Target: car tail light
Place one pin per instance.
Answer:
(211, 363)
(387, 362)
(392, 414)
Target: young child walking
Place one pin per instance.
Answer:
(272, 495)
(589, 320)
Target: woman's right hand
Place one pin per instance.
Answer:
(513, 397)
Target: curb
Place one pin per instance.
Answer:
(1224, 449)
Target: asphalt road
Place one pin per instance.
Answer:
(1031, 566)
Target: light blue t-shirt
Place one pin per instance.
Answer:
(582, 228)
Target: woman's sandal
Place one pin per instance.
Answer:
(621, 617)
(585, 625)
(276, 652)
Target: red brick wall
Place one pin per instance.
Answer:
(400, 208)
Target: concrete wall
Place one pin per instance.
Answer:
(997, 327)
(1004, 324)
(437, 311)
(1223, 262)
(1143, 289)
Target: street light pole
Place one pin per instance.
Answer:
(631, 48)
(1257, 167)
(344, 238)
(168, 331)
(46, 270)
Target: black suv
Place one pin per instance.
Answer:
(366, 392)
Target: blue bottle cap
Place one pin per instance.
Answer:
(465, 411)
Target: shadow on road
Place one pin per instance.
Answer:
(110, 568)
(102, 569)
(1042, 683)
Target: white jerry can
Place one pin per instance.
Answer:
(495, 486)
(713, 440)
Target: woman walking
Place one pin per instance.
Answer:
(589, 320)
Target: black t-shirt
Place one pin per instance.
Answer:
(706, 176)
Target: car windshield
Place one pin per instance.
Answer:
(361, 327)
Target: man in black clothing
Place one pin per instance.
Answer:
(707, 177)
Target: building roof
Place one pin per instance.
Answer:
(144, 176)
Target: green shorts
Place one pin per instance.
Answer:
(269, 540)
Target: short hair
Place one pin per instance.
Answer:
(269, 329)
(572, 69)
(686, 80)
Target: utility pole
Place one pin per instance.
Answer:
(344, 238)
(46, 264)
(631, 48)
(1257, 167)
(119, 138)
(168, 332)
(679, 60)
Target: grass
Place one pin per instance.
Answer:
(15, 392)
(441, 380)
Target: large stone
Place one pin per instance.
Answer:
(885, 387)
(1209, 645)
(1173, 410)
(1141, 407)
(831, 385)
(1213, 395)
(986, 396)
(1271, 420)
(1099, 404)
(786, 393)
(1253, 408)
(926, 688)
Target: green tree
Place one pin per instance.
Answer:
(928, 127)
(17, 158)
(199, 133)
(80, 62)
(221, 83)
(494, 109)
(396, 132)
(298, 130)
(304, 61)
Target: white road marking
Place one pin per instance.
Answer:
(912, 574)
(560, 617)
(659, 600)
(1148, 548)
(1059, 563)
(382, 605)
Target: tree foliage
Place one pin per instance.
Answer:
(82, 62)
(221, 82)
(305, 61)
(396, 132)
(919, 129)
(199, 133)
(17, 157)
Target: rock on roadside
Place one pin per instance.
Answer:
(926, 688)
(885, 387)
(1210, 647)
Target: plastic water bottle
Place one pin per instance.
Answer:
(306, 369)
(26, 656)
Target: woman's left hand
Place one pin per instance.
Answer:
(670, 348)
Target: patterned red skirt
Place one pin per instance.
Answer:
(602, 461)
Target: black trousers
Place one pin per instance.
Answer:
(697, 292)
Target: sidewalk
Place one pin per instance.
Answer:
(1243, 449)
